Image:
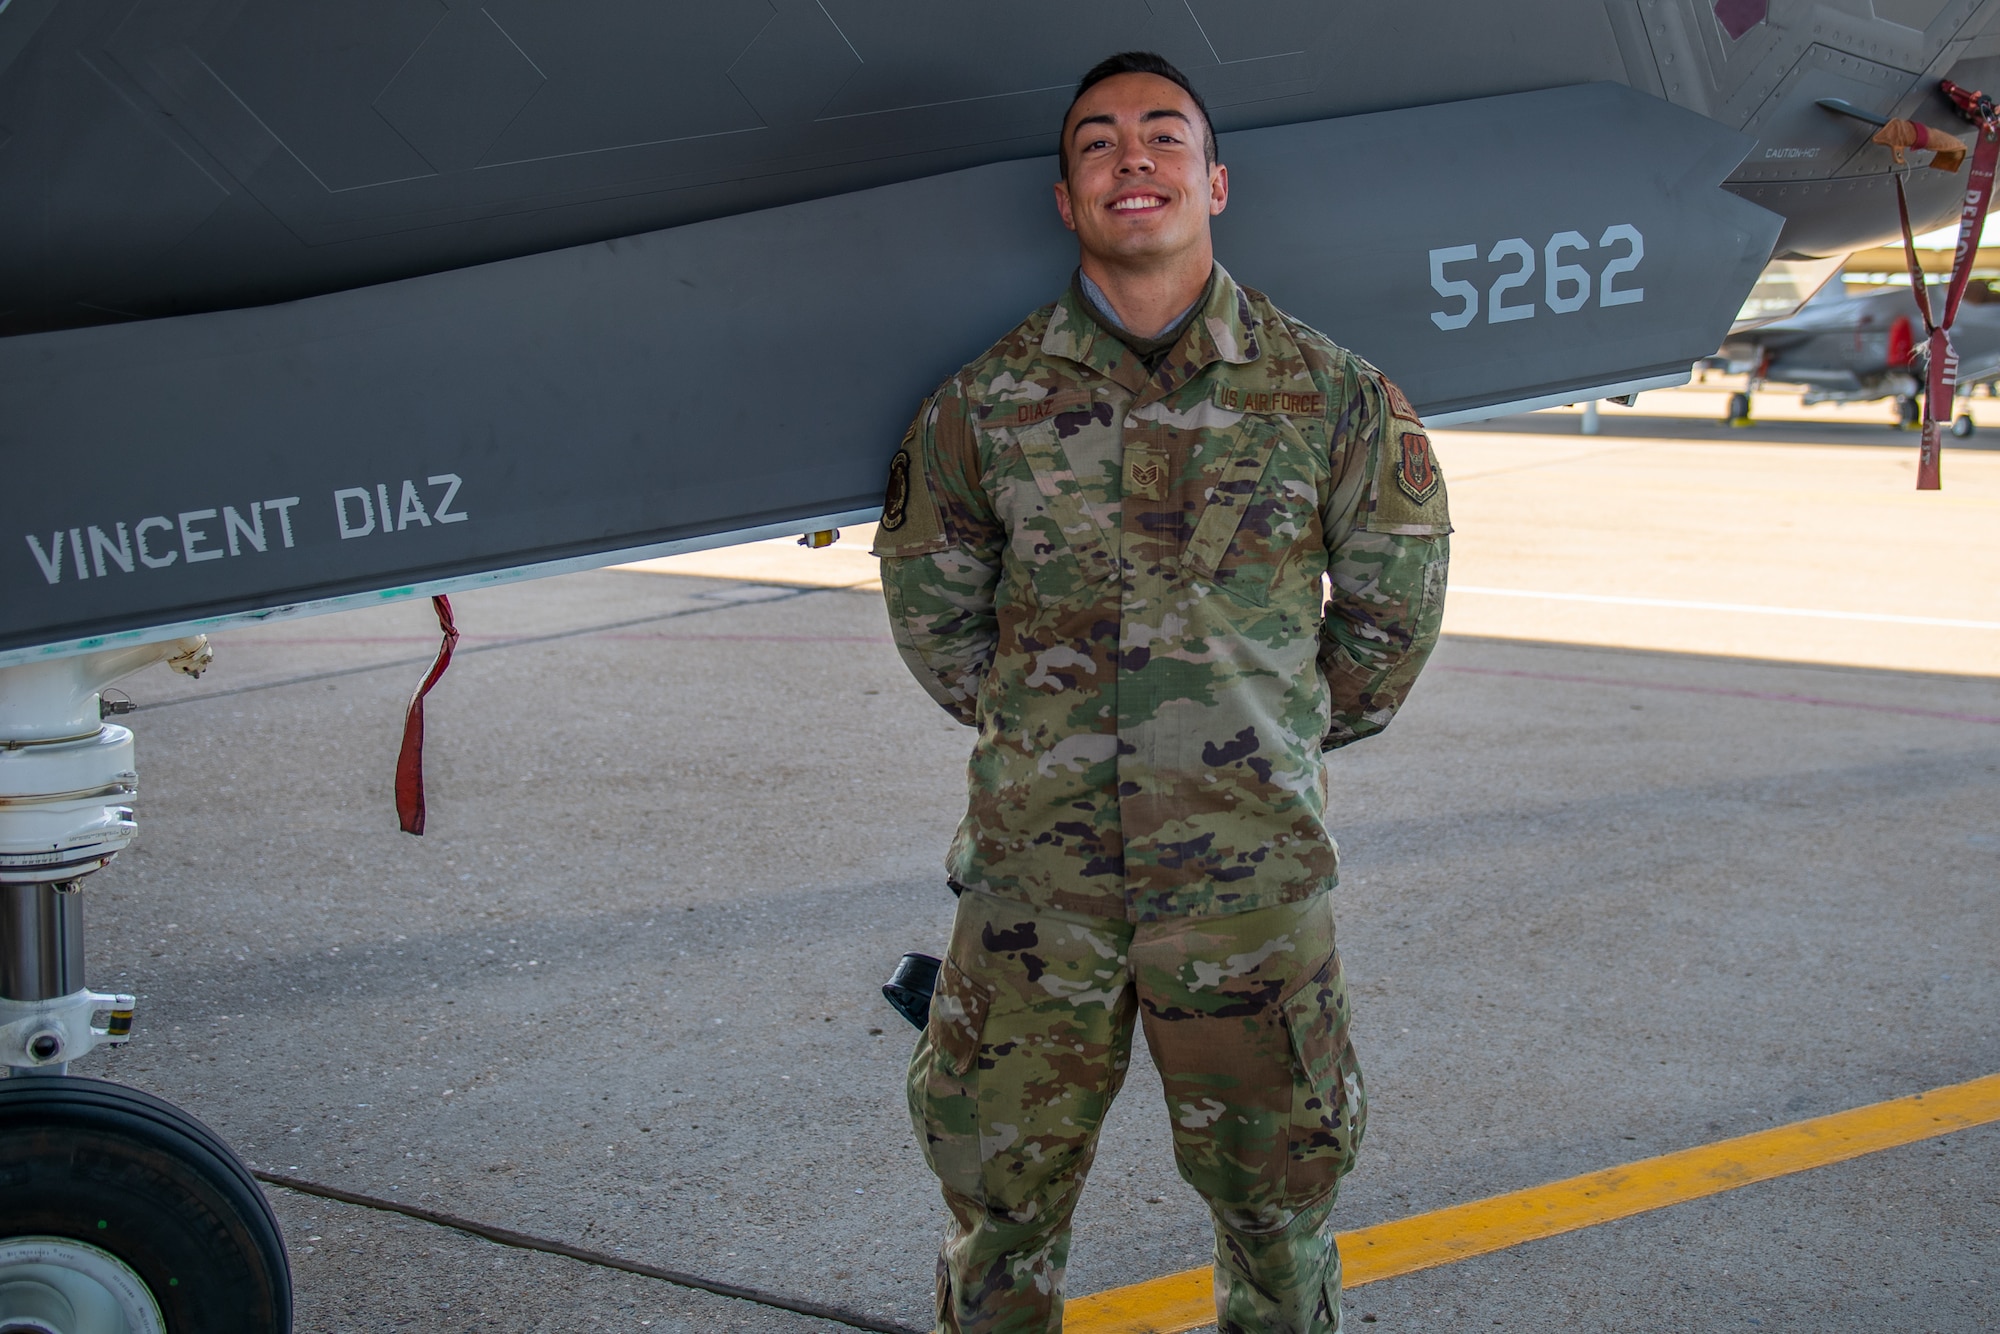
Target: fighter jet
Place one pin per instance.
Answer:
(1849, 349)
(304, 303)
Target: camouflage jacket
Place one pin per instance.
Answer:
(1121, 581)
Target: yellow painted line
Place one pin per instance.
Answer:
(1186, 1300)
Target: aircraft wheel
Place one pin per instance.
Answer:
(1909, 413)
(1739, 409)
(122, 1214)
(1962, 426)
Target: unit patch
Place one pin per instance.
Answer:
(896, 500)
(1416, 471)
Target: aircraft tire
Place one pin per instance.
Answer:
(1962, 425)
(1739, 409)
(1909, 413)
(122, 1214)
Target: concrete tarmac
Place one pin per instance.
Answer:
(1604, 896)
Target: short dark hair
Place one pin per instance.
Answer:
(1136, 62)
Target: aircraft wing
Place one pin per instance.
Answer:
(751, 375)
(1768, 337)
(170, 157)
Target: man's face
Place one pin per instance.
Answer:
(1140, 190)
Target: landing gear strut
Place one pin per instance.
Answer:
(119, 1214)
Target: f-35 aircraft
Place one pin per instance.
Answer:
(1855, 349)
(302, 302)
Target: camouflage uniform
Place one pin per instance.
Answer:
(1120, 579)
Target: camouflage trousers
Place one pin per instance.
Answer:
(1028, 1042)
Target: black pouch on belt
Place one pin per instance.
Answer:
(909, 988)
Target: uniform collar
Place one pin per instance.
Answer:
(1224, 329)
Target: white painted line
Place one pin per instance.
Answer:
(1888, 618)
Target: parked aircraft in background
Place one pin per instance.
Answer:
(1848, 349)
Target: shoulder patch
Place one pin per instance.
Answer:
(896, 500)
(1407, 491)
(1399, 406)
(910, 524)
(1416, 470)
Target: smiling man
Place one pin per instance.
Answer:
(1162, 545)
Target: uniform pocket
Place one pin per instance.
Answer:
(1329, 1103)
(1262, 510)
(1059, 522)
(958, 1017)
(944, 1084)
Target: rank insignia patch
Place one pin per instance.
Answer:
(1146, 476)
(1416, 471)
(896, 500)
